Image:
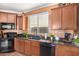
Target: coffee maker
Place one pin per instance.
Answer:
(67, 36)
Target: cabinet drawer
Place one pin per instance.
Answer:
(27, 42)
(35, 43)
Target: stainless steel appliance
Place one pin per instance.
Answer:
(7, 44)
(8, 26)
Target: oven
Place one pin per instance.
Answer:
(6, 45)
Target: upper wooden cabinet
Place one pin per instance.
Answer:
(19, 22)
(64, 17)
(56, 18)
(3, 17)
(69, 17)
(11, 18)
(7, 18)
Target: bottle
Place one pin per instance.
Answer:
(46, 36)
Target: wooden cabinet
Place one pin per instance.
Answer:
(19, 45)
(26, 24)
(27, 47)
(3, 17)
(74, 51)
(16, 44)
(19, 22)
(7, 18)
(69, 17)
(35, 48)
(64, 17)
(11, 18)
(64, 50)
(56, 18)
(32, 48)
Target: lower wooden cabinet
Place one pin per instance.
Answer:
(35, 48)
(27, 47)
(19, 45)
(64, 50)
(16, 44)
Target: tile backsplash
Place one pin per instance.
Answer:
(60, 33)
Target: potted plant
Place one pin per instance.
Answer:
(76, 42)
(52, 37)
(25, 35)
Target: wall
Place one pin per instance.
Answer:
(59, 33)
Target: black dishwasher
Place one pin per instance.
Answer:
(46, 49)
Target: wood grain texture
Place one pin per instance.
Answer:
(64, 50)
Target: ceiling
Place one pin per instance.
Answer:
(21, 7)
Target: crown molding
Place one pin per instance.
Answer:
(10, 11)
(50, 4)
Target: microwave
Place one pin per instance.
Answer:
(7, 26)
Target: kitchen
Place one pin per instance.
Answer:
(45, 30)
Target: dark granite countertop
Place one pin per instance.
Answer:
(48, 41)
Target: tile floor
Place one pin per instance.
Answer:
(11, 54)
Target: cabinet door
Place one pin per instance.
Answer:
(16, 45)
(25, 23)
(19, 23)
(21, 46)
(74, 51)
(3, 17)
(56, 18)
(27, 47)
(35, 50)
(62, 50)
(69, 17)
(11, 18)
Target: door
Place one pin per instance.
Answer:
(69, 17)
(3, 17)
(56, 18)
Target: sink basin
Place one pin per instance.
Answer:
(45, 41)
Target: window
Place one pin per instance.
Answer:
(43, 22)
(38, 23)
